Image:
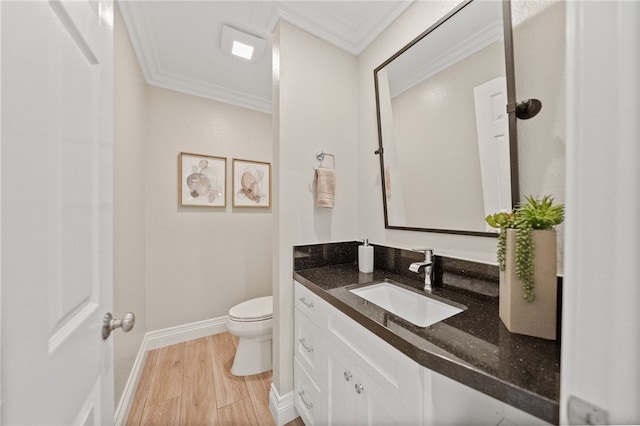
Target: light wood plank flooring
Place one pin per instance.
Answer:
(191, 384)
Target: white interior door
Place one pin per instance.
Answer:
(493, 143)
(56, 217)
(600, 374)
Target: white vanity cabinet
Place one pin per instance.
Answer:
(345, 374)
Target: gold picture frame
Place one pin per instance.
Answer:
(202, 180)
(251, 183)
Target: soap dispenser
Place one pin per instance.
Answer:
(365, 257)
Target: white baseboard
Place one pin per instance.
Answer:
(124, 406)
(158, 339)
(183, 333)
(282, 407)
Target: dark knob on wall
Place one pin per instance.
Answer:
(526, 109)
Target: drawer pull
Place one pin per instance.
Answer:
(359, 388)
(308, 348)
(304, 302)
(348, 375)
(309, 405)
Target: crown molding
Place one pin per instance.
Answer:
(344, 36)
(194, 87)
(339, 32)
(472, 44)
(145, 50)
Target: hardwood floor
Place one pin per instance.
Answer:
(191, 384)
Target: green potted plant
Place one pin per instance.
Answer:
(527, 260)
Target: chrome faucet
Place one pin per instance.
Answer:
(426, 266)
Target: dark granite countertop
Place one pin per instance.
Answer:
(472, 347)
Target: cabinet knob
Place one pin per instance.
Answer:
(348, 375)
(359, 388)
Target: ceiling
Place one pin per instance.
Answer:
(178, 42)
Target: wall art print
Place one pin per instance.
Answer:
(251, 183)
(203, 180)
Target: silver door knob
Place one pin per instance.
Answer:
(109, 324)
(359, 388)
(348, 375)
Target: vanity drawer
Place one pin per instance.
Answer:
(308, 397)
(310, 346)
(389, 367)
(311, 305)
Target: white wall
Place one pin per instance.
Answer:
(539, 58)
(128, 206)
(315, 104)
(201, 261)
(176, 265)
(539, 73)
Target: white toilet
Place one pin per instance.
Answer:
(252, 322)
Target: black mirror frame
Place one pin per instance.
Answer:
(513, 134)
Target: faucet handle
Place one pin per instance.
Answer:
(428, 253)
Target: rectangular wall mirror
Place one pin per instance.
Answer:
(447, 145)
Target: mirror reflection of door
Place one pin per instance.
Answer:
(439, 174)
(493, 145)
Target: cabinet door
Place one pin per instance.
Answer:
(355, 398)
(341, 396)
(389, 367)
(448, 402)
(377, 406)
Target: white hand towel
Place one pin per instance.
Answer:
(325, 187)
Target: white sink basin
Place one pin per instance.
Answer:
(413, 307)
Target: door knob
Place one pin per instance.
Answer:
(109, 324)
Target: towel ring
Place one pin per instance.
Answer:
(320, 154)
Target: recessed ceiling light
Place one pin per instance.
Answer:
(242, 45)
(242, 50)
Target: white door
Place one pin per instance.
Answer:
(56, 211)
(600, 373)
(493, 144)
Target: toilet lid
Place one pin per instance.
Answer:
(253, 310)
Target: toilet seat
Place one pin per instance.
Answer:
(258, 309)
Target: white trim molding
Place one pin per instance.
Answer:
(601, 297)
(183, 333)
(124, 405)
(158, 339)
(282, 407)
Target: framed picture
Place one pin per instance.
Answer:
(203, 180)
(251, 183)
